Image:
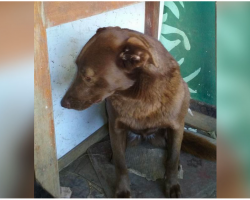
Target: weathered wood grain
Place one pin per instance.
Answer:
(152, 18)
(46, 166)
(201, 121)
(62, 12)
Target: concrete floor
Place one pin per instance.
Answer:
(92, 175)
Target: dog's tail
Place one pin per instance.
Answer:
(198, 146)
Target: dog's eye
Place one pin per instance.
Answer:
(88, 79)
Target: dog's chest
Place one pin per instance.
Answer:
(139, 117)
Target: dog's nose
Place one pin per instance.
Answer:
(65, 103)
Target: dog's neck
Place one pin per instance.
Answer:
(149, 88)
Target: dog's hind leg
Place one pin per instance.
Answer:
(174, 140)
(118, 139)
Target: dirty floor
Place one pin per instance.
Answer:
(92, 175)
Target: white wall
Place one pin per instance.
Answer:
(64, 44)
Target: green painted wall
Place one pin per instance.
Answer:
(188, 33)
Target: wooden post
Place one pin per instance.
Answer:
(46, 165)
(152, 18)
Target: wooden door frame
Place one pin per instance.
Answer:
(49, 14)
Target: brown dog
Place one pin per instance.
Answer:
(146, 96)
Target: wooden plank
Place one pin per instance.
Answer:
(62, 12)
(201, 121)
(45, 161)
(152, 18)
(203, 108)
(82, 147)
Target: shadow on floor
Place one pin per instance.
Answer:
(92, 175)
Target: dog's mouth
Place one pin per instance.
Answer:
(78, 105)
(87, 105)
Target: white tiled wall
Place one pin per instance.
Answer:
(64, 44)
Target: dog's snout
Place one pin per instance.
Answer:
(65, 103)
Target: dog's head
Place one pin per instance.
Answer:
(105, 65)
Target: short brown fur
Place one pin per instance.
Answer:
(147, 98)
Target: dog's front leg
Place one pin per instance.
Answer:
(174, 140)
(118, 139)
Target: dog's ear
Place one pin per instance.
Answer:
(100, 29)
(136, 53)
(108, 27)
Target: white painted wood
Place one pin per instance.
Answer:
(64, 44)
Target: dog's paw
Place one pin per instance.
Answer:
(123, 187)
(173, 191)
(122, 194)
